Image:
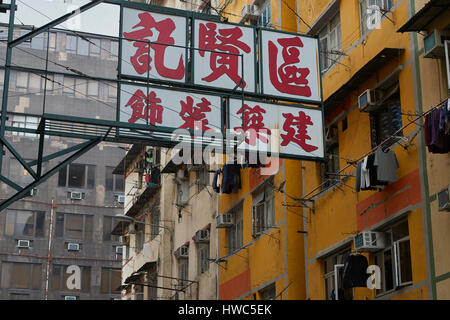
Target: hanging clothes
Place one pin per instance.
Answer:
(358, 177)
(231, 178)
(216, 181)
(436, 130)
(355, 271)
(386, 164)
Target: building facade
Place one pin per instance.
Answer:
(64, 227)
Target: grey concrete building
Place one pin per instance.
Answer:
(67, 221)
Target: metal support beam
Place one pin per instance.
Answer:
(53, 23)
(10, 183)
(24, 191)
(18, 157)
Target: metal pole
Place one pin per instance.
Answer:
(6, 78)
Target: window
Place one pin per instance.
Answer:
(264, 19)
(35, 83)
(110, 281)
(268, 293)
(139, 236)
(235, 232)
(330, 43)
(203, 177)
(73, 226)
(203, 256)
(183, 272)
(27, 122)
(365, 12)
(330, 168)
(69, 85)
(21, 80)
(92, 88)
(138, 292)
(39, 42)
(94, 47)
(82, 47)
(17, 275)
(25, 223)
(263, 213)
(52, 42)
(395, 260)
(77, 176)
(112, 90)
(385, 121)
(108, 226)
(330, 275)
(60, 276)
(80, 88)
(18, 173)
(154, 220)
(71, 44)
(183, 192)
(114, 182)
(114, 49)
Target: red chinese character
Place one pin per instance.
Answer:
(288, 78)
(141, 60)
(144, 108)
(227, 41)
(300, 135)
(253, 125)
(194, 116)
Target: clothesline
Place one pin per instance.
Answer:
(372, 150)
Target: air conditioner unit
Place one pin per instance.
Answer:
(367, 101)
(23, 243)
(224, 220)
(249, 11)
(121, 198)
(183, 252)
(73, 247)
(76, 195)
(119, 249)
(443, 199)
(202, 235)
(433, 44)
(124, 239)
(70, 298)
(369, 241)
(33, 192)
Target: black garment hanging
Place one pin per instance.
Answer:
(216, 181)
(355, 271)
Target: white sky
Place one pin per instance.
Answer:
(102, 19)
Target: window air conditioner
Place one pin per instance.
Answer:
(76, 195)
(23, 243)
(202, 235)
(433, 44)
(443, 199)
(367, 101)
(73, 247)
(369, 241)
(119, 250)
(33, 192)
(224, 220)
(249, 11)
(70, 298)
(123, 239)
(121, 198)
(183, 252)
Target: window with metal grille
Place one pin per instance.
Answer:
(385, 121)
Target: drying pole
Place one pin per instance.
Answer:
(50, 232)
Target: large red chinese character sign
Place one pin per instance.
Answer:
(169, 109)
(228, 58)
(290, 66)
(289, 131)
(160, 58)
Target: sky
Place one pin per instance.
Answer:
(102, 19)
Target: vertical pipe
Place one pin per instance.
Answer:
(6, 79)
(50, 232)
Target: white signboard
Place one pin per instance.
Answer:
(291, 131)
(170, 109)
(290, 66)
(223, 68)
(165, 62)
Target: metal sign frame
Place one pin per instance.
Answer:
(99, 130)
